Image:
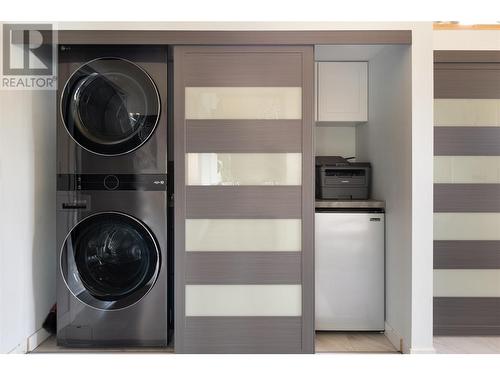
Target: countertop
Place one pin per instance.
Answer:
(336, 203)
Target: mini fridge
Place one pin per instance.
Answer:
(349, 270)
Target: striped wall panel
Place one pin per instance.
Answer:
(467, 194)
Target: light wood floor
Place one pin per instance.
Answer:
(467, 344)
(50, 346)
(353, 342)
(326, 342)
(330, 342)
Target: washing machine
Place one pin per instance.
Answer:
(112, 110)
(112, 262)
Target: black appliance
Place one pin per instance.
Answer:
(338, 178)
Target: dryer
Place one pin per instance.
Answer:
(112, 262)
(112, 110)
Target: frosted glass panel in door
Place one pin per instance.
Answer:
(243, 103)
(243, 300)
(466, 283)
(467, 226)
(243, 234)
(467, 112)
(244, 169)
(467, 169)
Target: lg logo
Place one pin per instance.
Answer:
(28, 56)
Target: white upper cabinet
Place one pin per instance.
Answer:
(342, 91)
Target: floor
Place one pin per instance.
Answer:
(50, 346)
(326, 342)
(353, 342)
(467, 344)
(331, 342)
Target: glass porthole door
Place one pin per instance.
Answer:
(110, 106)
(110, 260)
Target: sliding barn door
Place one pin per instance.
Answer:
(244, 199)
(467, 193)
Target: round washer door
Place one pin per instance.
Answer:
(110, 260)
(110, 106)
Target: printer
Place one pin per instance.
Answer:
(337, 178)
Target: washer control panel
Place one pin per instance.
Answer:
(71, 182)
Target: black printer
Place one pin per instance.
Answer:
(337, 178)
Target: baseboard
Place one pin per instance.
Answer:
(21, 348)
(396, 339)
(31, 342)
(423, 351)
(37, 338)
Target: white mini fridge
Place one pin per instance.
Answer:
(349, 271)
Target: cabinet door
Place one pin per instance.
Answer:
(243, 199)
(342, 89)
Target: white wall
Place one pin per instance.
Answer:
(335, 140)
(422, 146)
(398, 141)
(27, 216)
(27, 221)
(466, 39)
(386, 142)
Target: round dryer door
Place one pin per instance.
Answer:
(110, 106)
(110, 260)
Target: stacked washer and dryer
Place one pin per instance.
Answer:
(112, 282)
